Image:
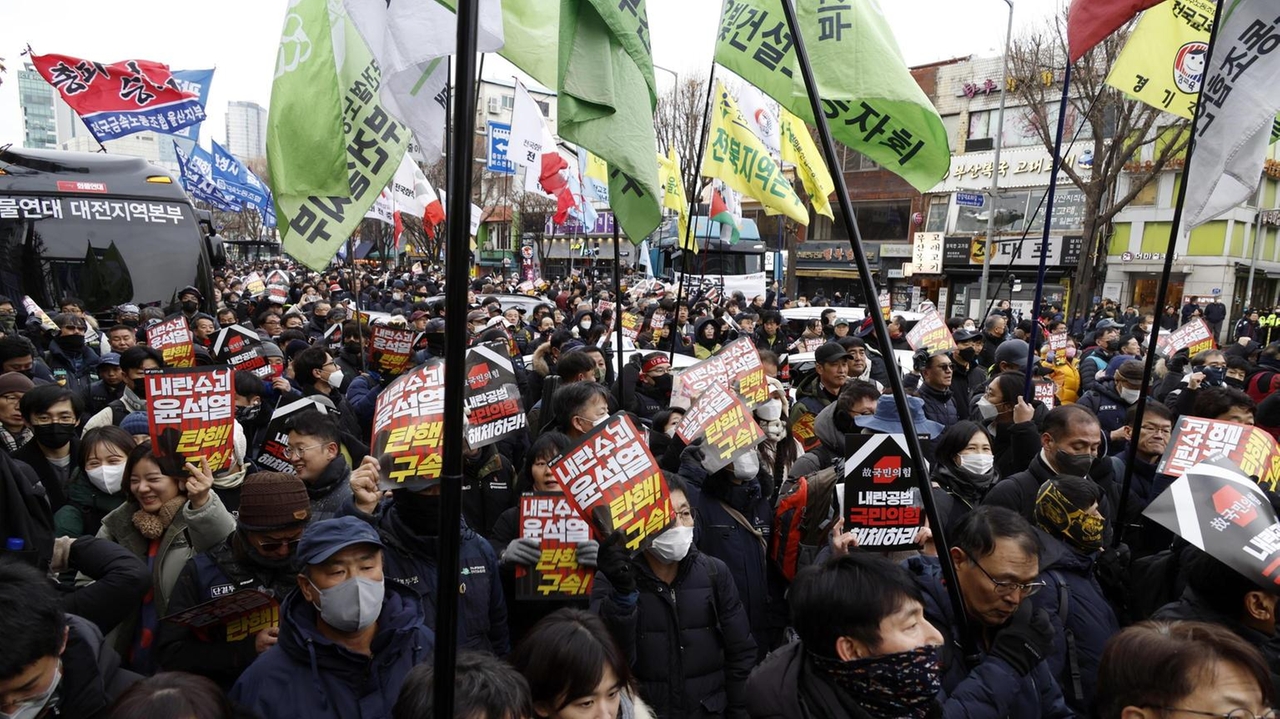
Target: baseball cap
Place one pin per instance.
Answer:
(830, 352)
(1012, 351)
(110, 358)
(417, 315)
(1107, 324)
(965, 335)
(330, 536)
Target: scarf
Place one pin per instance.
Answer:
(14, 442)
(903, 685)
(1057, 515)
(152, 526)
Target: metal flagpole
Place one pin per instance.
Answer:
(457, 261)
(617, 305)
(1163, 291)
(882, 330)
(1044, 238)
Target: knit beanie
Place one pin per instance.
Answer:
(273, 500)
(15, 382)
(135, 422)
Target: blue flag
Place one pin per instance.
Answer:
(236, 180)
(196, 169)
(198, 82)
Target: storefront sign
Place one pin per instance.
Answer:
(926, 256)
(1019, 167)
(961, 251)
(896, 249)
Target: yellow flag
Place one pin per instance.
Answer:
(1163, 63)
(673, 197)
(736, 156)
(799, 150)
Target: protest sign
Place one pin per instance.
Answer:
(408, 428)
(243, 614)
(613, 482)
(931, 333)
(173, 339)
(881, 504)
(886, 305)
(551, 520)
(1224, 514)
(493, 397)
(277, 294)
(729, 427)
(1196, 439)
(1058, 341)
(253, 285)
(271, 455)
(1195, 336)
(737, 365)
(240, 348)
(332, 339)
(631, 325)
(389, 349)
(191, 414)
(803, 432)
(1046, 391)
(33, 309)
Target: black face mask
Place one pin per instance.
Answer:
(190, 306)
(1234, 383)
(289, 563)
(53, 436)
(968, 355)
(133, 322)
(248, 414)
(140, 387)
(420, 512)
(71, 343)
(1113, 346)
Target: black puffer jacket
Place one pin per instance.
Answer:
(688, 642)
(91, 673)
(1192, 607)
(488, 489)
(938, 405)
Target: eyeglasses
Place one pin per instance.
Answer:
(1004, 589)
(944, 367)
(1163, 429)
(271, 547)
(296, 452)
(685, 515)
(1233, 714)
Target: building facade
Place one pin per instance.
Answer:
(246, 130)
(37, 99)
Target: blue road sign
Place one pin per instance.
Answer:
(970, 199)
(499, 139)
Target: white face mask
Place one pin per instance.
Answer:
(770, 410)
(747, 465)
(31, 708)
(988, 410)
(977, 463)
(335, 379)
(1129, 395)
(672, 545)
(108, 477)
(585, 325)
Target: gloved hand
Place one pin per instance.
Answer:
(589, 553)
(1179, 360)
(1026, 640)
(614, 562)
(526, 552)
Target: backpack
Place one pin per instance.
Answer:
(804, 513)
(1075, 689)
(1262, 384)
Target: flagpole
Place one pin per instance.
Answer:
(1162, 292)
(882, 332)
(1056, 163)
(457, 260)
(617, 304)
(693, 197)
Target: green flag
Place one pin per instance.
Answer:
(871, 102)
(315, 226)
(606, 100)
(305, 144)
(529, 28)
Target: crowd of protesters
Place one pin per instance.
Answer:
(1071, 608)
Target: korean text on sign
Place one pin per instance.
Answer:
(390, 349)
(173, 339)
(408, 428)
(1196, 439)
(191, 415)
(549, 519)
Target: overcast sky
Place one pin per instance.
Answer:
(239, 37)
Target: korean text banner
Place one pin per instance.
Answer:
(121, 98)
(389, 349)
(1163, 62)
(738, 364)
(728, 425)
(493, 397)
(631, 323)
(173, 339)
(236, 180)
(931, 333)
(198, 83)
(549, 519)
(882, 504)
(271, 455)
(241, 350)
(408, 428)
(1194, 336)
(243, 614)
(614, 483)
(1225, 515)
(191, 414)
(1196, 439)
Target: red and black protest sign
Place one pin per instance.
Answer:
(1224, 514)
(631, 323)
(493, 397)
(1046, 390)
(549, 519)
(613, 481)
(408, 428)
(881, 504)
(173, 339)
(241, 349)
(802, 430)
(931, 333)
(737, 365)
(242, 614)
(390, 349)
(191, 414)
(333, 338)
(253, 285)
(1195, 336)
(271, 455)
(728, 425)
(1196, 439)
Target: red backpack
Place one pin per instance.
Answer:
(805, 512)
(1262, 384)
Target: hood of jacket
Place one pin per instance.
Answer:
(84, 689)
(542, 359)
(1055, 553)
(824, 426)
(703, 341)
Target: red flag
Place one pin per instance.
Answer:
(121, 98)
(555, 184)
(1089, 22)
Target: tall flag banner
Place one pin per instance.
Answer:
(121, 98)
(722, 213)
(595, 176)
(735, 155)
(1171, 36)
(762, 116)
(316, 226)
(673, 197)
(582, 210)
(529, 28)
(530, 138)
(799, 150)
(606, 99)
(236, 180)
(191, 416)
(382, 210)
(1237, 108)
(1089, 22)
(196, 180)
(197, 82)
(868, 95)
(410, 42)
(306, 145)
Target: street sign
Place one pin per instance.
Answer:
(499, 139)
(970, 199)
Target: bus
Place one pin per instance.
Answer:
(733, 267)
(108, 229)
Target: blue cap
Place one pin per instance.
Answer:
(326, 538)
(110, 358)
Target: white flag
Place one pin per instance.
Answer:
(382, 210)
(762, 113)
(476, 213)
(530, 137)
(1238, 103)
(411, 40)
(410, 190)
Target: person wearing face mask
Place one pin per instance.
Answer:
(108, 388)
(964, 471)
(317, 373)
(706, 338)
(190, 300)
(864, 649)
(52, 413)
(676, 613)
(968, 375)
(72, 361)
(98, 489)
(14, 432)
(488, 487)
(1070, 529)
(1109, 399)
(348, 637)
(257, 556)
(134, 362)
(579, 406)
(1063, 372)
(646, 384)
(1096, 357)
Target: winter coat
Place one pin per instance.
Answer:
(54, 487)
(643, 400)
(785, 686)
(992, 688)
(1215, 312)
(1093, 361)
(330, 491)
(1015, 444)
(116, 411)
(1106, 404)
(91, 675)
(74, 371)
(776, 344)
(120, 581)
(1067, 377)
(25, 512)
(1018, 491)
(488, 489)
(831, 445)
(308, 675)
(99, 395)
(688, 643)
(1082, 618)
(811, 398)
(953, 504)
(939, 405)
(521, 614)
(965, 382)
(1192, 607)
(86, 506)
